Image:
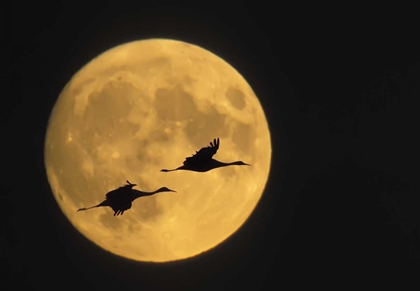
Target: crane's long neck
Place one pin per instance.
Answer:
(219, 164)
(138, 194)
(223, 164)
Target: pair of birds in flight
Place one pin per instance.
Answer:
(121, 198)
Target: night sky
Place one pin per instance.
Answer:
(339, 85)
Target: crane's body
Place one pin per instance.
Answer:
(121, 198)
(202, 160)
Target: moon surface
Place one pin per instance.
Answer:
(144, 106)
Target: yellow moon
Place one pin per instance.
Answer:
(144, 106)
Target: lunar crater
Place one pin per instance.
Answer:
(236, 98)
(174, 104)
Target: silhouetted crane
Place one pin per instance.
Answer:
(120, 199)
(202, 160)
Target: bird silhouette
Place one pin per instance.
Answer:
(121, 198)
(202, 160)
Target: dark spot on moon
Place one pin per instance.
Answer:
(147, 208)
(174, 104)
(228, 172)
(109, 220)
(71, 171)
(244, 136)
(159, 64)
(236, 97)
(188, 80)
(205, 126)
(107, 113)
(134, 226)
(154, 66)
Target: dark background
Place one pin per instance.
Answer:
(339, 84)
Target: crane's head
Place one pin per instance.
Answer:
(165, 189)
(240, 163)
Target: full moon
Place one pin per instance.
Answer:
(144, 106)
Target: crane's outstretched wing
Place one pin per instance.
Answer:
(121, 207)
(204, 154)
